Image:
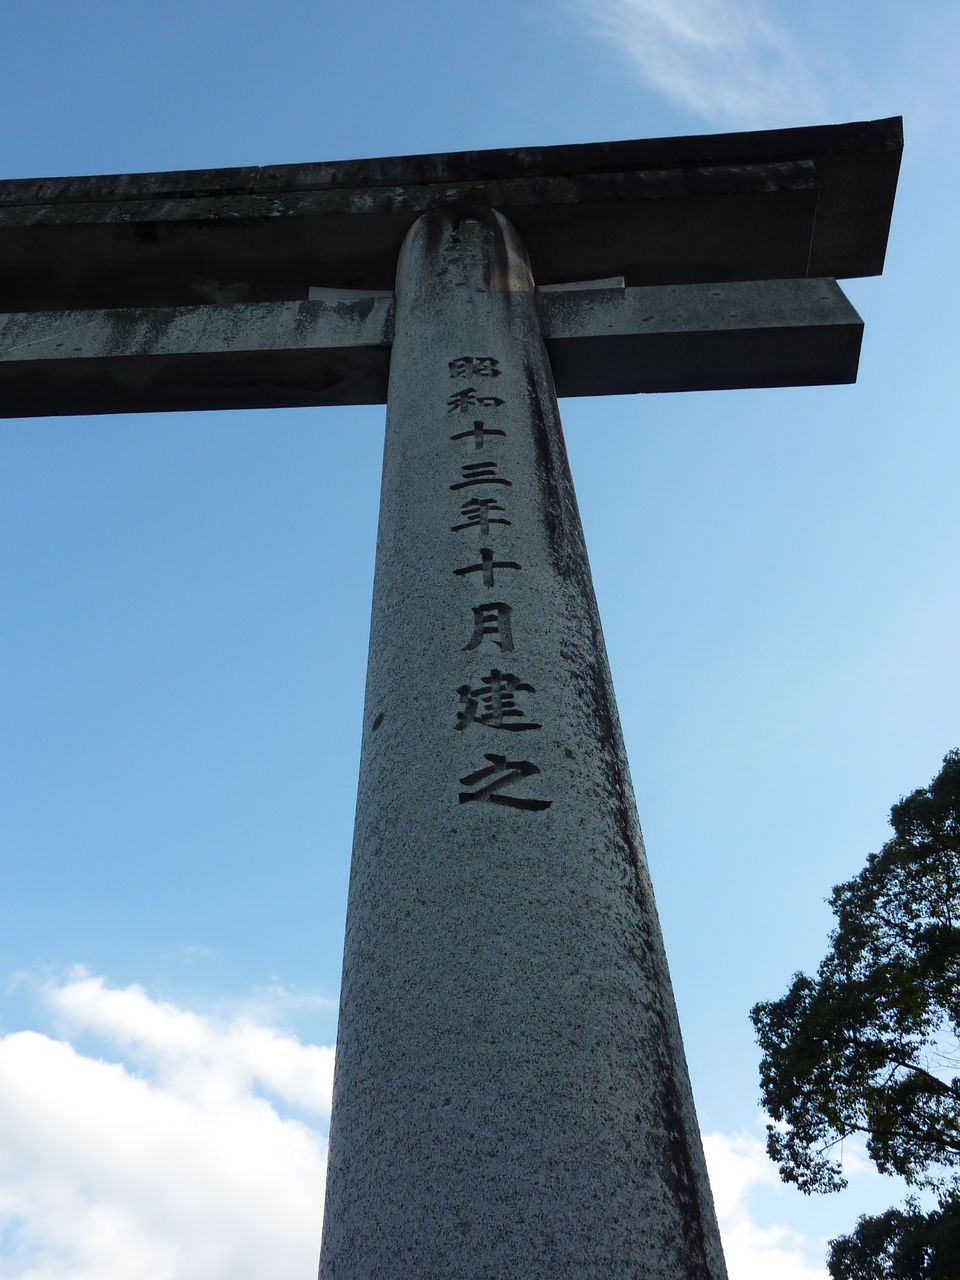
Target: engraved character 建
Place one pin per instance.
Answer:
(494, 703)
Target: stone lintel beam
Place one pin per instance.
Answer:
(760, 333)
(335, 348)
(765, 204)
(719, 223)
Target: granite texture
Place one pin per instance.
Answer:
(335, 348)
(770, 204)
(511, 1098)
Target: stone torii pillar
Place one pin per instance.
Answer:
(511, 1096)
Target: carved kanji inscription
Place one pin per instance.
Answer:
(488, 783)
(493, 621)
(477, 512)
(477, 433)
(475, 367)
(468, 398)
(494, 702)
(479, 473)
(486, 566)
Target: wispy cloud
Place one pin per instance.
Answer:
(190, 953)
(723, 59)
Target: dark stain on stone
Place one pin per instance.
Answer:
(680, 1176)
(546, 472)
(433, 228)
(464, 207)
(363, 306)
(377, 722)
(568, 556)
(614, 766)
(496, 263)
(588, 667)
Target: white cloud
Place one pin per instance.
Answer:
(188, 1054)
(737, 1164)
(191, 1150)
(720, 58)
(172, 1168)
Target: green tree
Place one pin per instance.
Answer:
(871, 1045)
(901, 1244)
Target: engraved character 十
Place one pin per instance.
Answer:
(486, 566)
(477, 433)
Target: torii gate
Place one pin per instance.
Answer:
(511, 1096)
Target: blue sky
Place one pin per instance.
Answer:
(186, 597)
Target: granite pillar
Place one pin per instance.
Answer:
(511, 1097)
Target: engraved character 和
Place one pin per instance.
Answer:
(468, 399)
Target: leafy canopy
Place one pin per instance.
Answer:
(871, 1045)
(901, 1245)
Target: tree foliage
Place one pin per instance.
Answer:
(871, 1045)
(901, 1244)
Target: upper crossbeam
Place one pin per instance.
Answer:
(772, 204)
(199, 289)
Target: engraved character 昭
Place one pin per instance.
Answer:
(478, 366)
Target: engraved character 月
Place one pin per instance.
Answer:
(492, 620)
(494, 703)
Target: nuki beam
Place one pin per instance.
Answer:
(335, 348)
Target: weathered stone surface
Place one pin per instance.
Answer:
(770, 333)
(768, 204)
(248, 355)
(510, 1096)
(334, 348)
